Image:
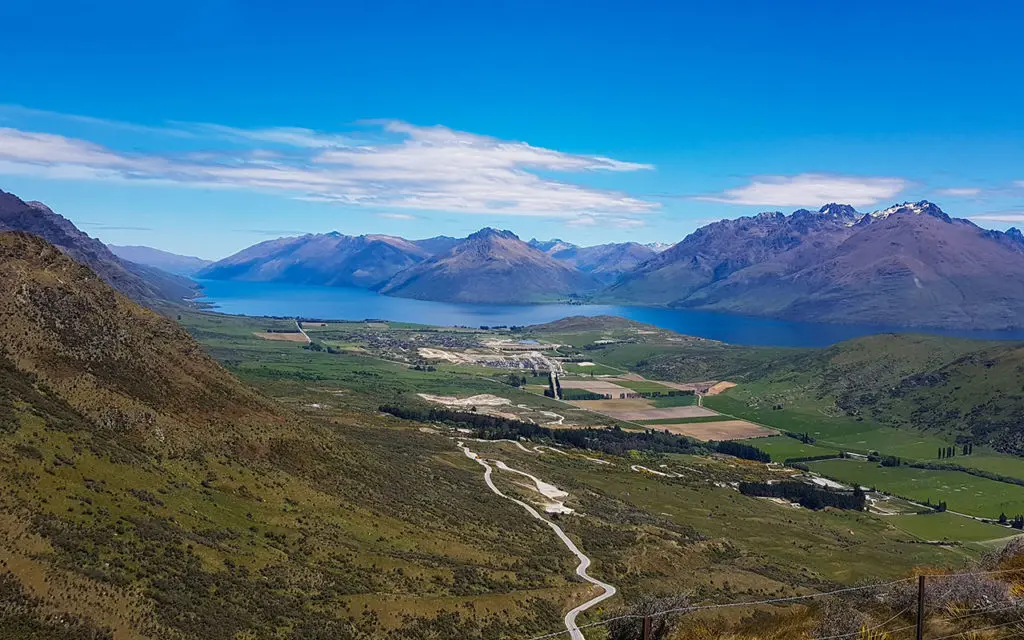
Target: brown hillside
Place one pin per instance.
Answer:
(125, 366)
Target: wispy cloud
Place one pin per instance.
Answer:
(397, 216)
(1000, 216)
(811, 189)
(276, 233)
(288, 136)
(581, 221)
(618, 222)
(959, 192)
(384, 164)
(102, 226)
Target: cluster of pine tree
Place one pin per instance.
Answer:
(950, 451)
(614, 441)
(1016, 523)
(808, 496)
(515, 380)
(740, 450)
(554, 389)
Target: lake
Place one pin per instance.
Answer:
(343, 303)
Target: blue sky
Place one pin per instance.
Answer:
(203, 127)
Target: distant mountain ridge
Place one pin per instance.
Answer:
(606, 262)
(165, 260)
(907, 265)
(145, 284)
(331, 259)
(910, 264)
(491, 266)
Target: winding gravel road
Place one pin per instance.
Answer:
(581, 568)
(298, 325)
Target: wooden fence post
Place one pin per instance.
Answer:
(920, 607)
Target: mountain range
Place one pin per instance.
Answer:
(143, 283)
(907, 265)
(170, 262)
(605, 262)
(331, 259)
(491, 266)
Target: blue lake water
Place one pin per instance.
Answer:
(342, 303)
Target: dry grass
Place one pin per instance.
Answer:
(719, 387)
(724, 430)
(641, 409)
(123, 611)
(286, 337)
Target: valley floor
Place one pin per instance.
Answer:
(347, 521)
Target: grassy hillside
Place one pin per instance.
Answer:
(148, 491)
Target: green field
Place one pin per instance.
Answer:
(596, 370)
(782, 447)
(841, 432)
(991, 461)
(665, 402)
(643, 386)
(947, 526)
(961, 491)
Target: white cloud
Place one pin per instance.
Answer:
(582, 221)
(397, 216)
(404, 166)
(959, 192)
(590, 221)
(289, 136)
(1000, 216)
(811, 190)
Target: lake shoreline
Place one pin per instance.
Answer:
(344, 303)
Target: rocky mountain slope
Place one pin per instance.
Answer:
(331, 259)
(115, 362)
(144, 284)
(437, 244)
(491, 266)
(909, 265)
(164, 260)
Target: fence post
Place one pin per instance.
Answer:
(920, 607)
(647, 627)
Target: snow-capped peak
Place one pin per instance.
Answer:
(914, 208)
(838, 211)
(551, 246)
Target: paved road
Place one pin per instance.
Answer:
(581, 568)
